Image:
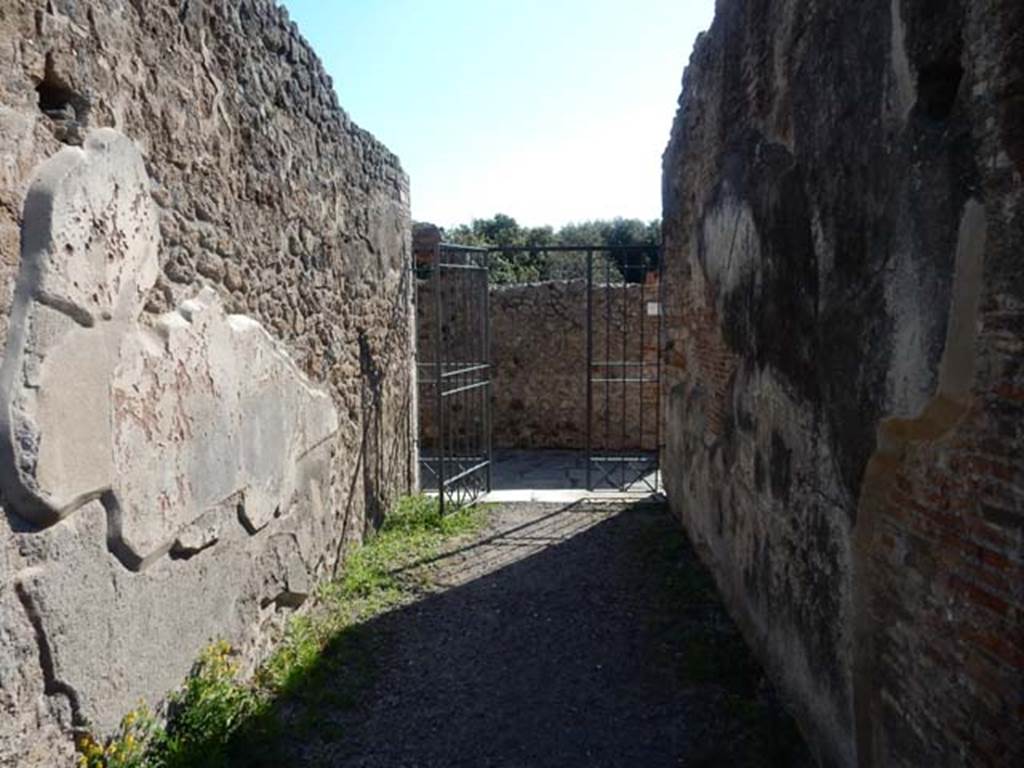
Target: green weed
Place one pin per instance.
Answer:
(324, 659)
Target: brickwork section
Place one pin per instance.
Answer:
(843, 233)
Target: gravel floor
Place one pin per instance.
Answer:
(586, 635)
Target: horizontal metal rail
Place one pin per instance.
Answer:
(445, 247)
(626, 380)
(467, 388)
(572, 248)
(467, 472)
(472, 267)
(463, 371)
(450, 363)
(456, 372)
(455, 459)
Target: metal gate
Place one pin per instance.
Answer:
(453, 312)
(623, 368)
(619, 377)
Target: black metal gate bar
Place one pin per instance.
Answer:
(590, 356)
(459, 375)
(623, 463)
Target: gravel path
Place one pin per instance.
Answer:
(586, 635)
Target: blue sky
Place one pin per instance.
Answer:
(550, 111)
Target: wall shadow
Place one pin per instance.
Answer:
(581, 635)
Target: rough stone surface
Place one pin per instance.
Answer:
(183, 414)
(539, 352)
(843, 227)
(255, 195)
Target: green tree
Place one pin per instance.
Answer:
(532, 264)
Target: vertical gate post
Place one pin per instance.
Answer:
(644, 265)
(442, 445)
(624, 375)
(488, 393)
(590, 368)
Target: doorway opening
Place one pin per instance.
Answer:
(539, 371)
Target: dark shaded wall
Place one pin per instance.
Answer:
(844, 376)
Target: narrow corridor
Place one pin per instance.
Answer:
(580, 635)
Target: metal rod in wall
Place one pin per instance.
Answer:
(412, 422)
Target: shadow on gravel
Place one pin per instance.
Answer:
(587, 635)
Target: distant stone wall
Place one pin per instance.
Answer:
(843, 230)
(539, 366)
(206, 384)
(539, 352)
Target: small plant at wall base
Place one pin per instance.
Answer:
(324, 659)
(125, 749)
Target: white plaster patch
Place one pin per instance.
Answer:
(908, 380)
(957, 371)
(903, 93)
(732, 248)
(161, 424)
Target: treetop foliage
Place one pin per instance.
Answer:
(502, 230)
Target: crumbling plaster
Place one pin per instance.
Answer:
(264, 243)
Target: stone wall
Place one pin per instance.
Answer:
(539, 365)
(845, 366)
(206, 384)
(539, 352)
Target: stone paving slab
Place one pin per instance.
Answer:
(554, 477)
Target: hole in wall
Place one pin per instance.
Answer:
(67, 108)
(937, 86)
(55, 98)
